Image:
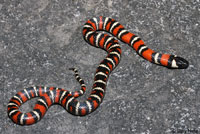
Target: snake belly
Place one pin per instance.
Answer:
(93, 35)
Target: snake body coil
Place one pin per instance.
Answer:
(51, 95)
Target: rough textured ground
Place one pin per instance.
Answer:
(41, 39)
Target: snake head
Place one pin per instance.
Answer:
(179, 63)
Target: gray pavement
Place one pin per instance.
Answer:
(41, 39)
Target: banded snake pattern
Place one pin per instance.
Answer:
(91, 33)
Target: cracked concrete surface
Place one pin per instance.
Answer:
(41, 39)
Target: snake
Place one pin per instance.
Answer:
(100, 32)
